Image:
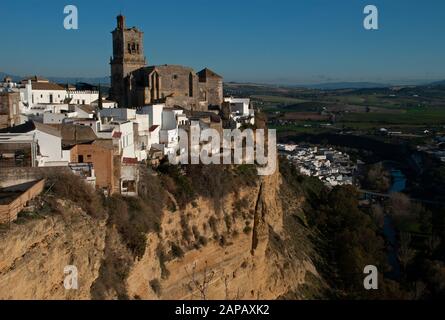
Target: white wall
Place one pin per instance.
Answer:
(126, 139)
(119, 113)
(93, 124)
(83, 97)
(57, 118)
(40, 109)
(154, 113)
(44, 96)
(239, 105)
(50, 148)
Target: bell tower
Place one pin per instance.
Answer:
(128, 55)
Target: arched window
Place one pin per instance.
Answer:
(190, 85)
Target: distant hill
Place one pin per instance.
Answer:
(71, 80)
(346, 85)
(14, 77)
(437, 83)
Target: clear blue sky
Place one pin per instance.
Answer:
(275, 41)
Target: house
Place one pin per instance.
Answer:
(83, 111)
(43, 91)
(58, 118)
(141, 139)
(93, 123)
(106, 104)
(41, 144)
(84, 97)
(99, 153)
(241, 111)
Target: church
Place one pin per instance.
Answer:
(134, 84)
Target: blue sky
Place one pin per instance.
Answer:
(273, 41)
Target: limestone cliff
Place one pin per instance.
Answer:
(244, 254)
(247, 245)
(33, 255)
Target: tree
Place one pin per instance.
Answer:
(200, 284)
(406, 254)
(377, 178)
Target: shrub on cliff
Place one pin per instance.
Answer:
(71, 187)
(134, 218)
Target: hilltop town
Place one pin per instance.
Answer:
(90, 181)
(104, 138)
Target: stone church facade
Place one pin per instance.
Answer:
(134, 84)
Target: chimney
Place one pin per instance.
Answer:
(121, 22)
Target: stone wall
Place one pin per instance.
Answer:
(9, 109)
(18, 175)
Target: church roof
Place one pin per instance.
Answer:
(167, 68)
(207, 73)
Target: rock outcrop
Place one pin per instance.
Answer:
(33, 255)
(245, 245)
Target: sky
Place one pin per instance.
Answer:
(262, 41)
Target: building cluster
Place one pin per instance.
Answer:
(330, 166)
(436, 148)
(44, 124)
(104, 143)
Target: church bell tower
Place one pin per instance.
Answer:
(128, 55)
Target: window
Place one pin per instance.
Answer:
(80, 158)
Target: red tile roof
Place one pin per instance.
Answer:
(153, 128)
(130, 160)
(117, 135)
(46, 86)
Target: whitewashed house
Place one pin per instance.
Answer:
(141, 126)
(241, 110)
(82, 97)
(46, 139)
(106, 104)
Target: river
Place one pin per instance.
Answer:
(398, 185)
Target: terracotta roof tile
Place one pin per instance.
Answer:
(130, 160)
(117, 135)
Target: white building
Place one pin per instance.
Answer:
(241, 111)
(106, 104)
(82, 97)
(47, 139)
(154, 113)
(43, 91)
(58, 118)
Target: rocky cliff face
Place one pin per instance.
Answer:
(33, 255)
(247, 245)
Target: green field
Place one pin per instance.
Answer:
(411, 116)
(276, 99)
